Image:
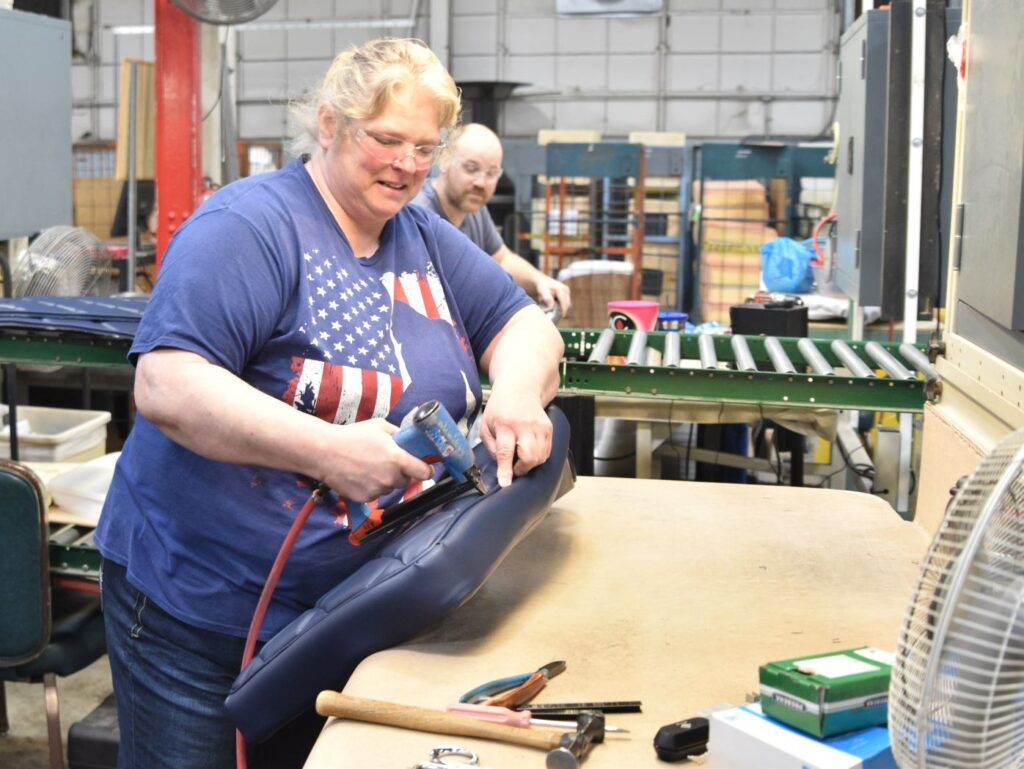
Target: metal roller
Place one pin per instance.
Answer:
(671, 356)
(637, 349)
(884, 358)
(708, 356)
(814, 358)
(604, 346)
(850, 360)
(919, 361)
(744, 359)
(778, 356)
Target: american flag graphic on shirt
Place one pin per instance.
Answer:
(354, 369)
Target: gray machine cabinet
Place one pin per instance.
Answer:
(860, 169)
(35, 133)
(990, 290)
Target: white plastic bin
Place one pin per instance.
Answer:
(81, 490)
(56, 435)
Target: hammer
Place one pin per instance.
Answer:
(572, 747)
(340, 705)
(565, 750)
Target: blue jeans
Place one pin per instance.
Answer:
(170, 681)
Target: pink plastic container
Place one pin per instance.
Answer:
(633, 314)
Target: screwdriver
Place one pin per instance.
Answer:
(520, 718)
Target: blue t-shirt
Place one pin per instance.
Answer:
(478, 226)
(262, 281)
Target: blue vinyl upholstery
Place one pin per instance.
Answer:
(418, 577)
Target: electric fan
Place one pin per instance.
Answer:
(62, 261)
(956, 696)
(224, 11)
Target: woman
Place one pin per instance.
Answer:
(298, 317)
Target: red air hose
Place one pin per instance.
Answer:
(820, 260)
(264, 602)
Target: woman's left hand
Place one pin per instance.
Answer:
(517, 432)
(522, 364)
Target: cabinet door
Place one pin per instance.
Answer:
(990, 290)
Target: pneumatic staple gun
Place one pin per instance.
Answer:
(430, 433)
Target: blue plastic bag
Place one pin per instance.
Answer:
(786, 266)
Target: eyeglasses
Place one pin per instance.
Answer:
(473, 170)
(391, 149)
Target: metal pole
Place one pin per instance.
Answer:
(133, 200)
(9, 369)
(915, 170)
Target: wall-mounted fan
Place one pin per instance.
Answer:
(62, 261)
(956, 697)
(225, 11)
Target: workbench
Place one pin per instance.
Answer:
(652, 590)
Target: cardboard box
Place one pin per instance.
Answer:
(734, 236)
(94, 201)
(831, 693)
(739, 193)
(567, 136)
(658, 138)
(743, 738)
(594, 283)
(145, 119)
(661, 217)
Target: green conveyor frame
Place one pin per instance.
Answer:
(726, 384)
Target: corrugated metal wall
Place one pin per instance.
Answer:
(709, 68)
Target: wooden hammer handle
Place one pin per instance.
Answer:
(340, 705)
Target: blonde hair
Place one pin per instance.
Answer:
(362, 81)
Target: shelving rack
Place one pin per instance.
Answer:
(593, 205)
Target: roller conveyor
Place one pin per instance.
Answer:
(72, 552)
(777, 355)
(778, 371)
(740, 348)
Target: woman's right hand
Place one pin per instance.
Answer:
(363, 461)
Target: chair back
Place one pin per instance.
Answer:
(24, 566)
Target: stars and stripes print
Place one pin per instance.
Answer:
(354, 369)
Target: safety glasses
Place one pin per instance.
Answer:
(392, 150)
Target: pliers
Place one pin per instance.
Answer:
(512, 691)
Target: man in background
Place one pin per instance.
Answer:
(469, 171)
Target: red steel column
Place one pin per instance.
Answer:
(179, 161)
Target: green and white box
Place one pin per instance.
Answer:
(826, 694)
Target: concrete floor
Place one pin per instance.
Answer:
(25, 745)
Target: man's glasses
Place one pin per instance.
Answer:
(391, 149)
(473, 170)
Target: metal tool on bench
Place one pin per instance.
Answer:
(438, 755)
(573, 747)
(430, 433)
(522, 719)
(569, 710)
(515, 690)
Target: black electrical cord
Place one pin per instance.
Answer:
(858, 468)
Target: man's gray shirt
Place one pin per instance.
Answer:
(477, 226)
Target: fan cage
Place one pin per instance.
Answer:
(63, 261)
(225, 11)
(956, 697)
